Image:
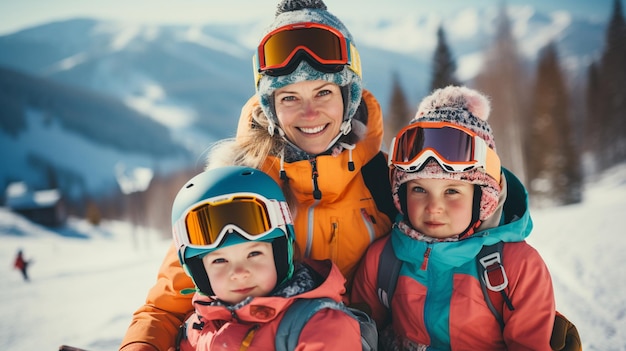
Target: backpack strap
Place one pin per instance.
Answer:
(301, 310)
(388, 271)
(491, 273)
(493, 279)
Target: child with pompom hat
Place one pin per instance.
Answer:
(454, 198)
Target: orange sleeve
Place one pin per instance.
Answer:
(158, 320)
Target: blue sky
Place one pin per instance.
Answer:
(20, 14)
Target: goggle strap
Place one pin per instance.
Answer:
(482, 151)
(354, 59)
(286, 213)
(492, 164)
(257, 74)
(392, 149)
(180, 233)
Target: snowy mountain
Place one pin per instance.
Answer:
(194, 79)
(195, 68)
(76, 138)
(87, 281)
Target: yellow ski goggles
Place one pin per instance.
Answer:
(206, 224)
(455, 148)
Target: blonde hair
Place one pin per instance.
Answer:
(250, 149)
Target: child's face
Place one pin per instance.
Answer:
(439, 208)
(241, 270)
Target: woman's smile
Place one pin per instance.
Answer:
(313, 130)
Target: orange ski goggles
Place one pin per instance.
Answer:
(324, 47)
(206, 224)
(455, 148)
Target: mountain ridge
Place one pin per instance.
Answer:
(193, 79)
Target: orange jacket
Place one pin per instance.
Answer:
(339, 226)
(346, 219)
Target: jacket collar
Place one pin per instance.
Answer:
(515, 225)
(312, 279)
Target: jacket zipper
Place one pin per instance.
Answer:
(334, 225)
(317, 193)
(425, 261)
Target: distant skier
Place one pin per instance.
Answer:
(22, 264)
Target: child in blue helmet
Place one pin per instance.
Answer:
(234, 235)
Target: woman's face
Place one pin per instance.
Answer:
(241, 270)
(439, 208)
(310, 113)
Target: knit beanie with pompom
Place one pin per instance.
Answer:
(467, 108)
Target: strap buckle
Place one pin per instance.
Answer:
(491, 263)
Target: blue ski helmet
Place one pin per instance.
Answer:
(228, 206)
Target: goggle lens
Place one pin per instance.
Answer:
(452, 144)
(206, 222)
(279, 48)
(455, 148)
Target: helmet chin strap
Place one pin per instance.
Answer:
(346, 127)
(273, 127)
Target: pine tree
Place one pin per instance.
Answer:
(613, 99)
(503, 79)
(92, 212)
(553, 160)
(594, 117)
(400, 113)
(444, 66)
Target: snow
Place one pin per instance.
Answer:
(196, 35)
(47, 139)
(86, 281)
(152, 101)
(133, 180)
(67, 63)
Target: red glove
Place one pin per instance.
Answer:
(564, 335)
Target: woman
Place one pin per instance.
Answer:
(312, 128)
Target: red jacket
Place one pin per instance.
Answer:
(20, 263)
(258, 320)
(438, 299)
